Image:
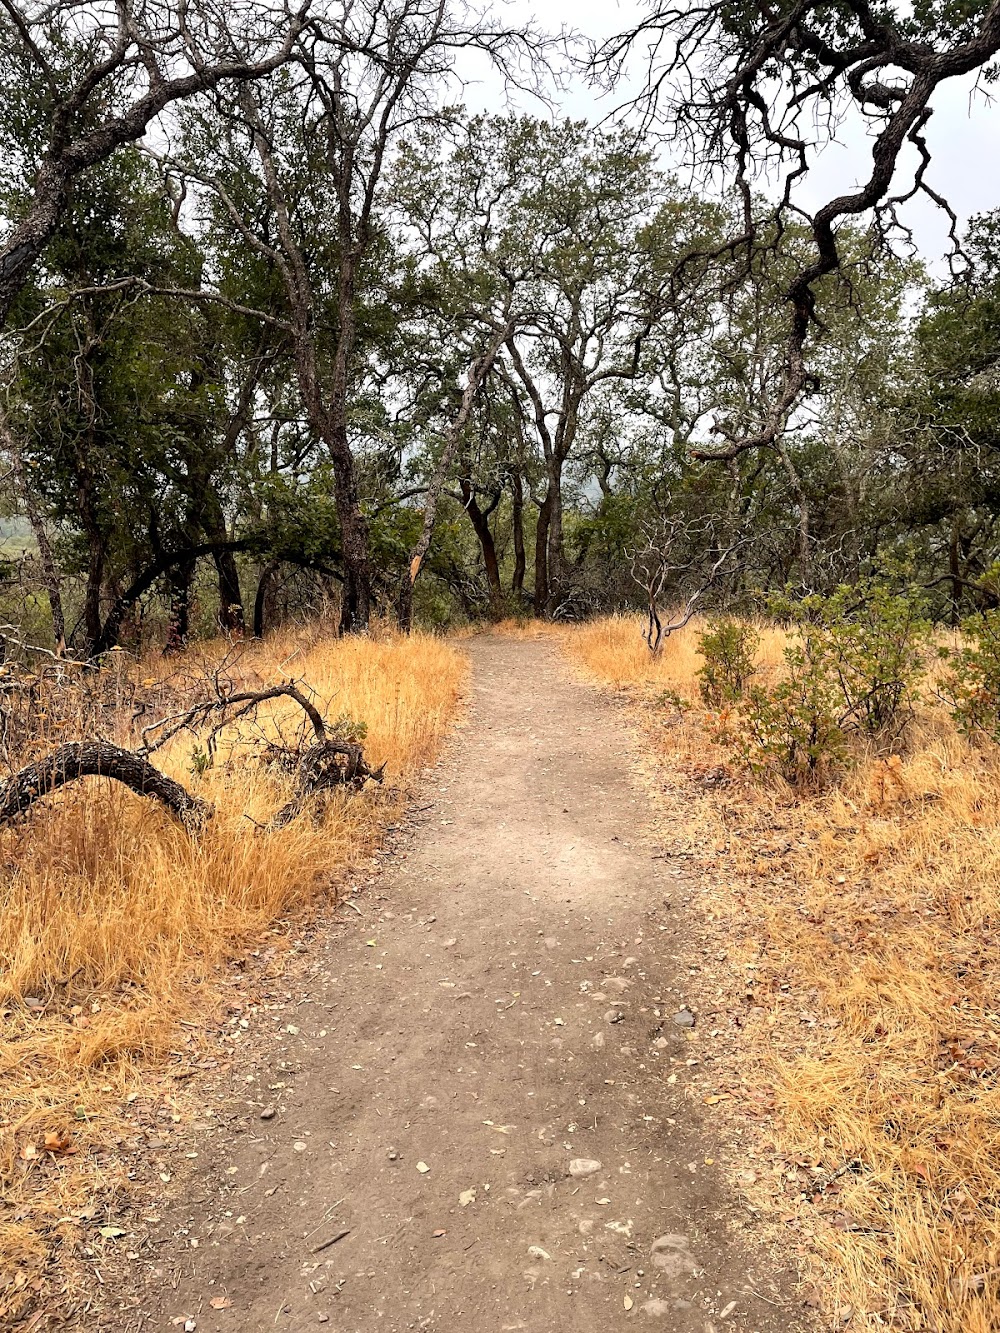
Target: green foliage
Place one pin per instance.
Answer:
(349, 729)
(972, 685)
(201, 761)
(853, 669)
(795, 726)
(729, 648)
(875, 641)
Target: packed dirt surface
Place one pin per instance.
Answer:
(477, 1117)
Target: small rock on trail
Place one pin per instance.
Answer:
(581, 1167)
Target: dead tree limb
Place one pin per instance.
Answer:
(245, 702)
(97, 759)
(667, 555)
(326, 765)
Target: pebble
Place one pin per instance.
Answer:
(597, 1041)
(614, 1016)
(684, 1018)
(656, 1308)
(660, 1044)
(268, 1113)
(581, 1167)
(300, 1146)
(671, 1254)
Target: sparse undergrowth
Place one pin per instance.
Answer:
(115, 923)
(855, 923)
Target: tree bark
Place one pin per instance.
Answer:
(480, 520)
(541, 597)
(955, 573)
(260, 601)
(517, 524)
(81, 759)
(231, 619)
(92, 591)
(556, 561)
(179, 623)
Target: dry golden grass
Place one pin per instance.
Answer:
(519, 628)
(864, 917)
(118, 921)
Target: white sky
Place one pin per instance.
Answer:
(963, 134)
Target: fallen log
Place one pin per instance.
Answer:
(98, 759)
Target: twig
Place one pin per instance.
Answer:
(780, 1305)
(325, 1245)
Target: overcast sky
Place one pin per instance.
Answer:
(963, 134)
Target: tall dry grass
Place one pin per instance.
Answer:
(859, 928)
(116, 921)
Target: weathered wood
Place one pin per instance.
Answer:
(83, 759)
(326, 765)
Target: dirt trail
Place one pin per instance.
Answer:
(502, 1013)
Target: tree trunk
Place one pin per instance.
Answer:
(230, 595)
(955, 571)
(179, 623)
(92, 623)
(556, 560)
(481, 526)
(260, 601)
(356, 596)
(517, 523)
(404, 603)
(542, 555)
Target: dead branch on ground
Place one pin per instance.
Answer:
(81, 759)
(320, 765)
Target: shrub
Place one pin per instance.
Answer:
(853, 668)
(878, 643)
(729, 648)
(972, 687)
(795, 726)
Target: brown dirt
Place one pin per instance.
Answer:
(500, 1004)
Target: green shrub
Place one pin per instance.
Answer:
(729, 648)
(347, 728)
(972, 687)
(852, 669)
(795, 725)
(877, 642)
